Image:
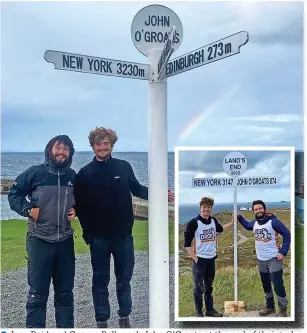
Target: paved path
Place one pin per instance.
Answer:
(242, 239)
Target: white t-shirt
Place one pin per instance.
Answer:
(266, 241)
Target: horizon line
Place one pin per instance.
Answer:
(77, 151)
(231, 203)
(90, 151)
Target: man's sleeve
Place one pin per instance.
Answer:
(279, 227)
(219, 227)
(190, 233)
(136, 188)
(245, 224)
(78, 195)
(80, 207)
(21, 187)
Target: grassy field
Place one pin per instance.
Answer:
(249, 290)
(13, 235)
(249, 285)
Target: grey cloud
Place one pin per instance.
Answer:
(290, 34)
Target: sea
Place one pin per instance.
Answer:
(12, 164)
(187, 212)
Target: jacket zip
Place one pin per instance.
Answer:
(59, 194)
(65, 203)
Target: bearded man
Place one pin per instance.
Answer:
(49, 241)
(270, 255)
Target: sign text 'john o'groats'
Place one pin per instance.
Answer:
(151, 27)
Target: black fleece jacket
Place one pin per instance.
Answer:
(103, 198)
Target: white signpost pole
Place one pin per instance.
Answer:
(158, 203)
(158, 187)
(154, 35)
(235, 164)
(235, 245)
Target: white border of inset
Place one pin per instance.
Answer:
(236, 148)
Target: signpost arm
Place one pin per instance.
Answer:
(158, 200)
(235, 247)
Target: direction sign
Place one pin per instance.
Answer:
(151, 26)
(234, 164)
(218, 50)
(94, 65)
(167, 51)
(231, 182)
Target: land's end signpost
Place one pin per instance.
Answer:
(235, 164)
(157, 33)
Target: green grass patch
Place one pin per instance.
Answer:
(249, 290)
(13, 237)
(299, 248)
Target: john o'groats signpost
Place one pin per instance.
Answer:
(157, 33)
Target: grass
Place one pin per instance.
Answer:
(249, 285)
(249, 290)
(299, 248)
(13, 235)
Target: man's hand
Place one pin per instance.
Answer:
(71, 214)
(171, 196)
(280, 256)
(233, 218)
(192, 254)
(195, 258)
(34, 213)
(228, 225)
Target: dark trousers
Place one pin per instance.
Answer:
(122, 250)
(203, 275)
(271, 272)
(45, 261)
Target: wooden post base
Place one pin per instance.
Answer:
(232, 306)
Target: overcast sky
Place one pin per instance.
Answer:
(207, 164)
(252, 98)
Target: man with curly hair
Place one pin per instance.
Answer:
(104, 207)
(203, 230)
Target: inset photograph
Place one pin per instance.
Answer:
(234, 233)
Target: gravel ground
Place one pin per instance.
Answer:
(14, 289)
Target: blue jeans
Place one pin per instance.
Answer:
(122, 250)
(46, 261)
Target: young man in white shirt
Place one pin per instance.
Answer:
(203, 229)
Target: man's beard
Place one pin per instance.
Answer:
(260, 216)
(58, 164)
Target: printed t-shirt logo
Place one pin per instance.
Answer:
(262, 235)
(207, 236)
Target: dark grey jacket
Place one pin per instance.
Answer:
(52, 191)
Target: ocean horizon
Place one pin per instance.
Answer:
(188, 211)
(14, 163)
